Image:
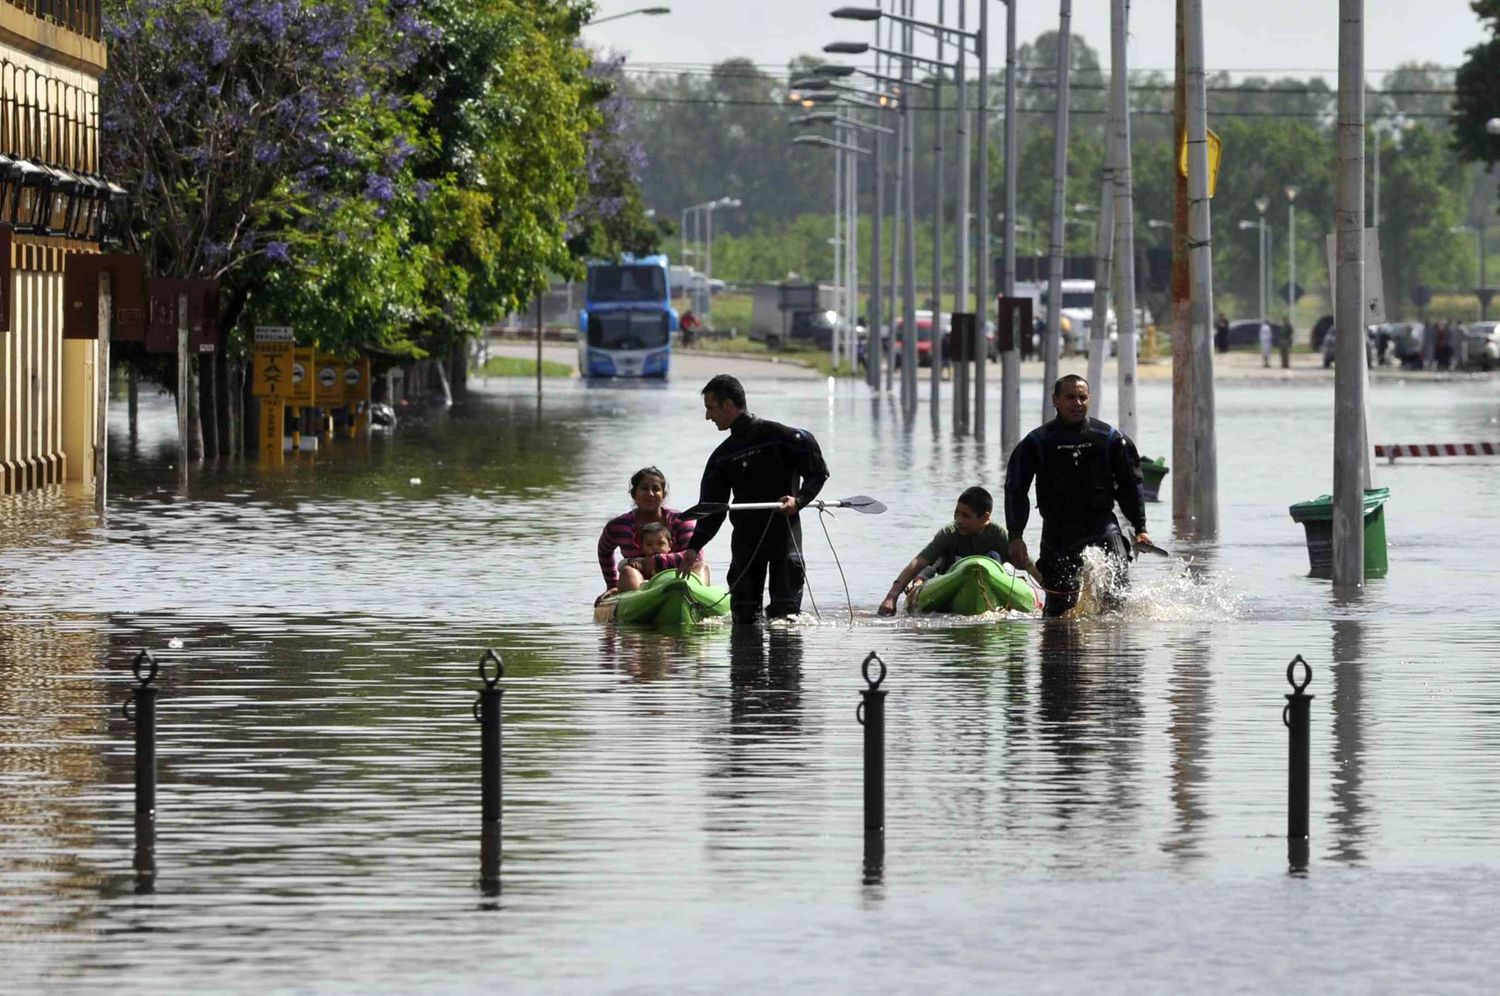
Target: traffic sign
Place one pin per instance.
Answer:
(274, 333)
(356, 382)
(273, 370)
(301, 395)
(330, 387)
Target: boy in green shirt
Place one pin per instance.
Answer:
(971, 533)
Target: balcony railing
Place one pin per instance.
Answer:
(82, 16)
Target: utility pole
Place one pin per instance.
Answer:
(1051, 349)
(875, 347)
(1349, 453)
(1291, 259)
(982, 277)
(1104, 241)
(908, 231)
(1010, 359)
(1203, 507)
(1124, 221)
(1184, 456)
(938, 361)
(961, 244)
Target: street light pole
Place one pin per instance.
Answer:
(648, 11)
(961, 243)
(1261, 203)
(1051, 349)
(939, 361)
(1010, 360)
(1123, 222)
(982, 277)
(1291, 258)
(1349, 453)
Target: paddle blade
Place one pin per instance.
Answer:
(860, 503)
(1152, 548)
(703, 508)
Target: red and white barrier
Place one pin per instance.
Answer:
(1394, 450)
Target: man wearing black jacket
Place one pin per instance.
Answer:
(1082, 467)
(760, 461)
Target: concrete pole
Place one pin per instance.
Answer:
(101, 394)
(1205, 499)
(1052, 348)
(896, 239)
(851, 258)
(1124, 222)
(1010, 360)
(909, 233)
(840, 306)
(961, 242)
(876, 347)
(1291, 259)
(982, 276)
(1262, 257)
(1349, 454)
(938, 362)
(708, 262)
(1104, 247)
(1375, 194)
(1184, 454)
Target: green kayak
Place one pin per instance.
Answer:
(665, 601)
(973, 586)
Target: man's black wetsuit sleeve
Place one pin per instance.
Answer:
(806, 457)
(1020, 470)
(1125, 468)
(714, 488)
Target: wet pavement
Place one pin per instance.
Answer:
(1098, 804)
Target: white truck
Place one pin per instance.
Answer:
(1077, 308)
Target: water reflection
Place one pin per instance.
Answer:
(1189, 708)
(1349, 817)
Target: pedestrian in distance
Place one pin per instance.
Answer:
(1221, 333)
(761, 461)
(1265, 342)
(1284, 344)
(1082, 467)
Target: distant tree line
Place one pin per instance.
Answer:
(726, 132)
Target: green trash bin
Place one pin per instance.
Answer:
(1152, 472)
(1316, 517)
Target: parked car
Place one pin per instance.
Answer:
(1244, 333)
(1481, 346)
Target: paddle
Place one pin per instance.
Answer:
(860, 503)
(1147, 547)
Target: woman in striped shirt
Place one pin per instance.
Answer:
(648, 489)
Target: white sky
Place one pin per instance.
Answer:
(1298, 37)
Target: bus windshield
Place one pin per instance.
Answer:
(627, 282)
(628, 329)
(1078, 299)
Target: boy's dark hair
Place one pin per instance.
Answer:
(645, 472)
(652, 528)
(725, 388)
(977, 499)
(1065, 378)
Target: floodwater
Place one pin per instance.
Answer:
(1098, 805)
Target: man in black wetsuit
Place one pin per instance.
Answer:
(760, 461)
(1082, 466)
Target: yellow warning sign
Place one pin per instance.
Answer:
(329, 375)
(273, 370)
(272, 429)
(356, 382)
(1215, 154)
(301, 395)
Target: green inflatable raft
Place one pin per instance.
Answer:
(973, 586)
(666, 601)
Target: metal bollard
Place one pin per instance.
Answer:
(143, 698)
(143, 715)
(1296, 717)
(487, 714)
(871, 715)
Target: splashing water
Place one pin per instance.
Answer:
(1179, 593)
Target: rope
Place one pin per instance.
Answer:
(848, 599)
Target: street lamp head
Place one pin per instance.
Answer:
(846, 48)
(810, 83)
(729, 202)
(1157, 223)
(811, 100)
(1492, 126)
(1261, 203)
(810, 140)
(1082, 208)
(817, 117)
(1291, 192)
(833, 70)
(857, 13)
(1246, 226)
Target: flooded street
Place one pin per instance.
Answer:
(1070, 806)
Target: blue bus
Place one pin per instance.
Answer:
(625, 326)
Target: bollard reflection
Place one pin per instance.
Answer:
(489, 858)
(145, 853)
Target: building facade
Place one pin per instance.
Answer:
(52, 206)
